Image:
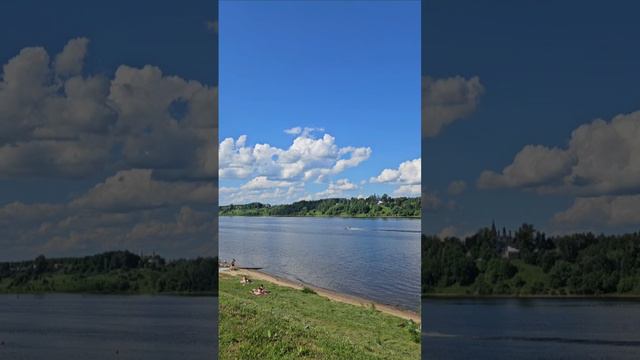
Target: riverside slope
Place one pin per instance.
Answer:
(331, 295)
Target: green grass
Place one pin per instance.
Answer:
(297, 324)
(530, 274)
(523, 283)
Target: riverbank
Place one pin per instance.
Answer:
(112, 272)
(372, 206)
(530, 263)
(329, 216)
(329, 294)
(525, 296)
(173, 281)
(291, 323)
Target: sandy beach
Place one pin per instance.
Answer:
(332, 295)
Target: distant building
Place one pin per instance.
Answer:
(154, 260)
(510, 252)
(504, 240)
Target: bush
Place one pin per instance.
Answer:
(307, 290)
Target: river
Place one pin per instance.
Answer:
(70, 326)
(377, 259)
(530, 329)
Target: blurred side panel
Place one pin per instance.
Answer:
(108, 179)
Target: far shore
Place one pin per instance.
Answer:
(97, 293)
(329, 294)
(328, 216)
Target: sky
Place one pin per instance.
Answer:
(107, 128)
(530, 114)
(319, 99)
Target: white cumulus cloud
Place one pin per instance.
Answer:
(57, 122)
(336, 189)
(447, 100)
(597, 211)
(407, 176)
(71, 60)
(158, 164)
(308, 158)
(457, 187)
(601, 158)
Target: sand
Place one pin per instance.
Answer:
(332, 295)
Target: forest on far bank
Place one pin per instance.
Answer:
(113, 272)
(372, 206)
(528, 262)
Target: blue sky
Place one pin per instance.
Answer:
(93, 156)
(349, 68)
(546, 68)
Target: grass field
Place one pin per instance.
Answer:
(298, 324)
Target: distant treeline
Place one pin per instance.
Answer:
(530, 263)
(111, 272)
(372, 206)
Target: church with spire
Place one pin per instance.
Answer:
(504, 241)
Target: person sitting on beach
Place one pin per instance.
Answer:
(233, 264)
(245, 280)
(259, 291)
(256, 292)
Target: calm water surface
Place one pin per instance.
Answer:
(378, 259)
(65, 326)
(530, 329)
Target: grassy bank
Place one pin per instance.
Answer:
(529, 281)
(295, 324)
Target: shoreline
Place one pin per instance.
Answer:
(531, 297)
(329, 294)
(328, 216)
(174, 294)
